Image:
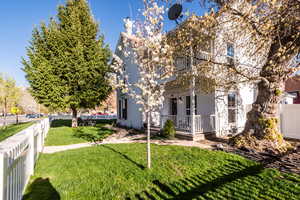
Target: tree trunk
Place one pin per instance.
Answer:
(17, 119)
(74, 118)
(261, 130)
(148, 141)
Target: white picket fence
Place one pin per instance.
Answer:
(95, 117)
(18, 155)
(290, 120)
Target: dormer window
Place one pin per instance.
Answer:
(230, 50)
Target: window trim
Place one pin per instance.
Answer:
(232, 108)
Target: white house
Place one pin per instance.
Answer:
(221, 111)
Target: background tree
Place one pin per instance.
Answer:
(67, 62)
(15, 110)
(28, 104)
(267, 31)
(145, 41)
(9, 95)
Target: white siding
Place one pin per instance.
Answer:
(245, 98)
(134, 116)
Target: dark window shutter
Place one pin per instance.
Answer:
(188, 105)
(120, 109)
(125, 109)
(196, 104)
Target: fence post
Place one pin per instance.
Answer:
(2, 176)
(31, 151)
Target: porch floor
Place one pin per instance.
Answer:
(188, 136)
(184, 135)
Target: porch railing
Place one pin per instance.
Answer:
(183, 63)
(203, 123)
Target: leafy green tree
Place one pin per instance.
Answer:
(9, 94)
(67, 66)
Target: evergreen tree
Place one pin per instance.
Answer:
(67, 64)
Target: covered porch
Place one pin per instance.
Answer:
(203, 124)
(192, 111)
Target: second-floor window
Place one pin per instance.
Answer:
(230, 50)
(182, 63)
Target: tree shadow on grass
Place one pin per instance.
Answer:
(211, 180)
(41, 189)
(61, 123)
(124, 156)
(97, 137)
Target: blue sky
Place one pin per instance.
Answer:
(18, 18)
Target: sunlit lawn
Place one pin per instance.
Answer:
(62, 134)
(10, 130)
(117, 172)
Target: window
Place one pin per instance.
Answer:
(231, 100)
(232, 108)
(188, 105)
(180, 63)
(122, 109)
(230, 50)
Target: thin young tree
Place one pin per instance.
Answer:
(145, 41)
(267, 32)
(67, 65)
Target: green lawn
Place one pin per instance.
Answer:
(13, 129)
(116, 172)
(62, 134)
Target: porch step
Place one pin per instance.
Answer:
(154, 130)
(188, 136)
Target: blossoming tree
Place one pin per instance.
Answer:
(145, 41)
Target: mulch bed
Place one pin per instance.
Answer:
(289, 162)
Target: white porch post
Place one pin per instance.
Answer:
(192, 90)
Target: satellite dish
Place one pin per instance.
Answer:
(175, 12)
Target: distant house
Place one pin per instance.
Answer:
(292, 86)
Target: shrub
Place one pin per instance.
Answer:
(169, 129)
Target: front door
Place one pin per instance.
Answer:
(173, 107)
